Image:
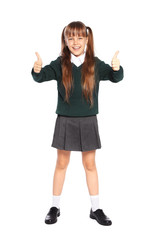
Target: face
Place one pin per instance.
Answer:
(76, 44)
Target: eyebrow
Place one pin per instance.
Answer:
(74, 36)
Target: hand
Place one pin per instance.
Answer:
(115, 62)
(38, 63)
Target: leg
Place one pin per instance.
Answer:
(63, 158)
(92, 182)
(88, 159)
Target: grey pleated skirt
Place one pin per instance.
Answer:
(76, 133)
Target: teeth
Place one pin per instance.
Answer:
(76, 47)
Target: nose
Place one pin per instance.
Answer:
(75, 40)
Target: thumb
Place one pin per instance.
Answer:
(115, 55)
(38, 57)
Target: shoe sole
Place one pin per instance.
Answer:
(52, 222)
(92, 217)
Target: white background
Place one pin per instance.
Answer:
(127, 163)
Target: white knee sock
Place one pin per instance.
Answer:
(55, 201)
(94, 202)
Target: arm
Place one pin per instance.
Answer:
(48, 72)
(107, 73)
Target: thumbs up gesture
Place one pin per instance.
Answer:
(38, 63)
(115, 62)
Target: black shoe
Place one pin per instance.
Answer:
(100, 217)
(52, 215)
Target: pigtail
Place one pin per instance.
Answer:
(66, 67)
(88, 78)
(90, 45)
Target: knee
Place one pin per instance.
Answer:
(62, 164)
(63, 158)
(89, 166)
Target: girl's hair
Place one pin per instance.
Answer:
(87, 73)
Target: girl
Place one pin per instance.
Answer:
(78, 73)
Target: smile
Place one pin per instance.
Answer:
(76, 48)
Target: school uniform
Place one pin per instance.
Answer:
(76, 126)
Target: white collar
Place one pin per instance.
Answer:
(78, 60)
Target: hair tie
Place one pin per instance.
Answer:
(87, 30)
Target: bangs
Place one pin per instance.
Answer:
(76, 28)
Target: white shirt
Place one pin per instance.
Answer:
(78, 60)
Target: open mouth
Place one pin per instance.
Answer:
(76, 48)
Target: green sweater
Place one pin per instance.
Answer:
(78, 106)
